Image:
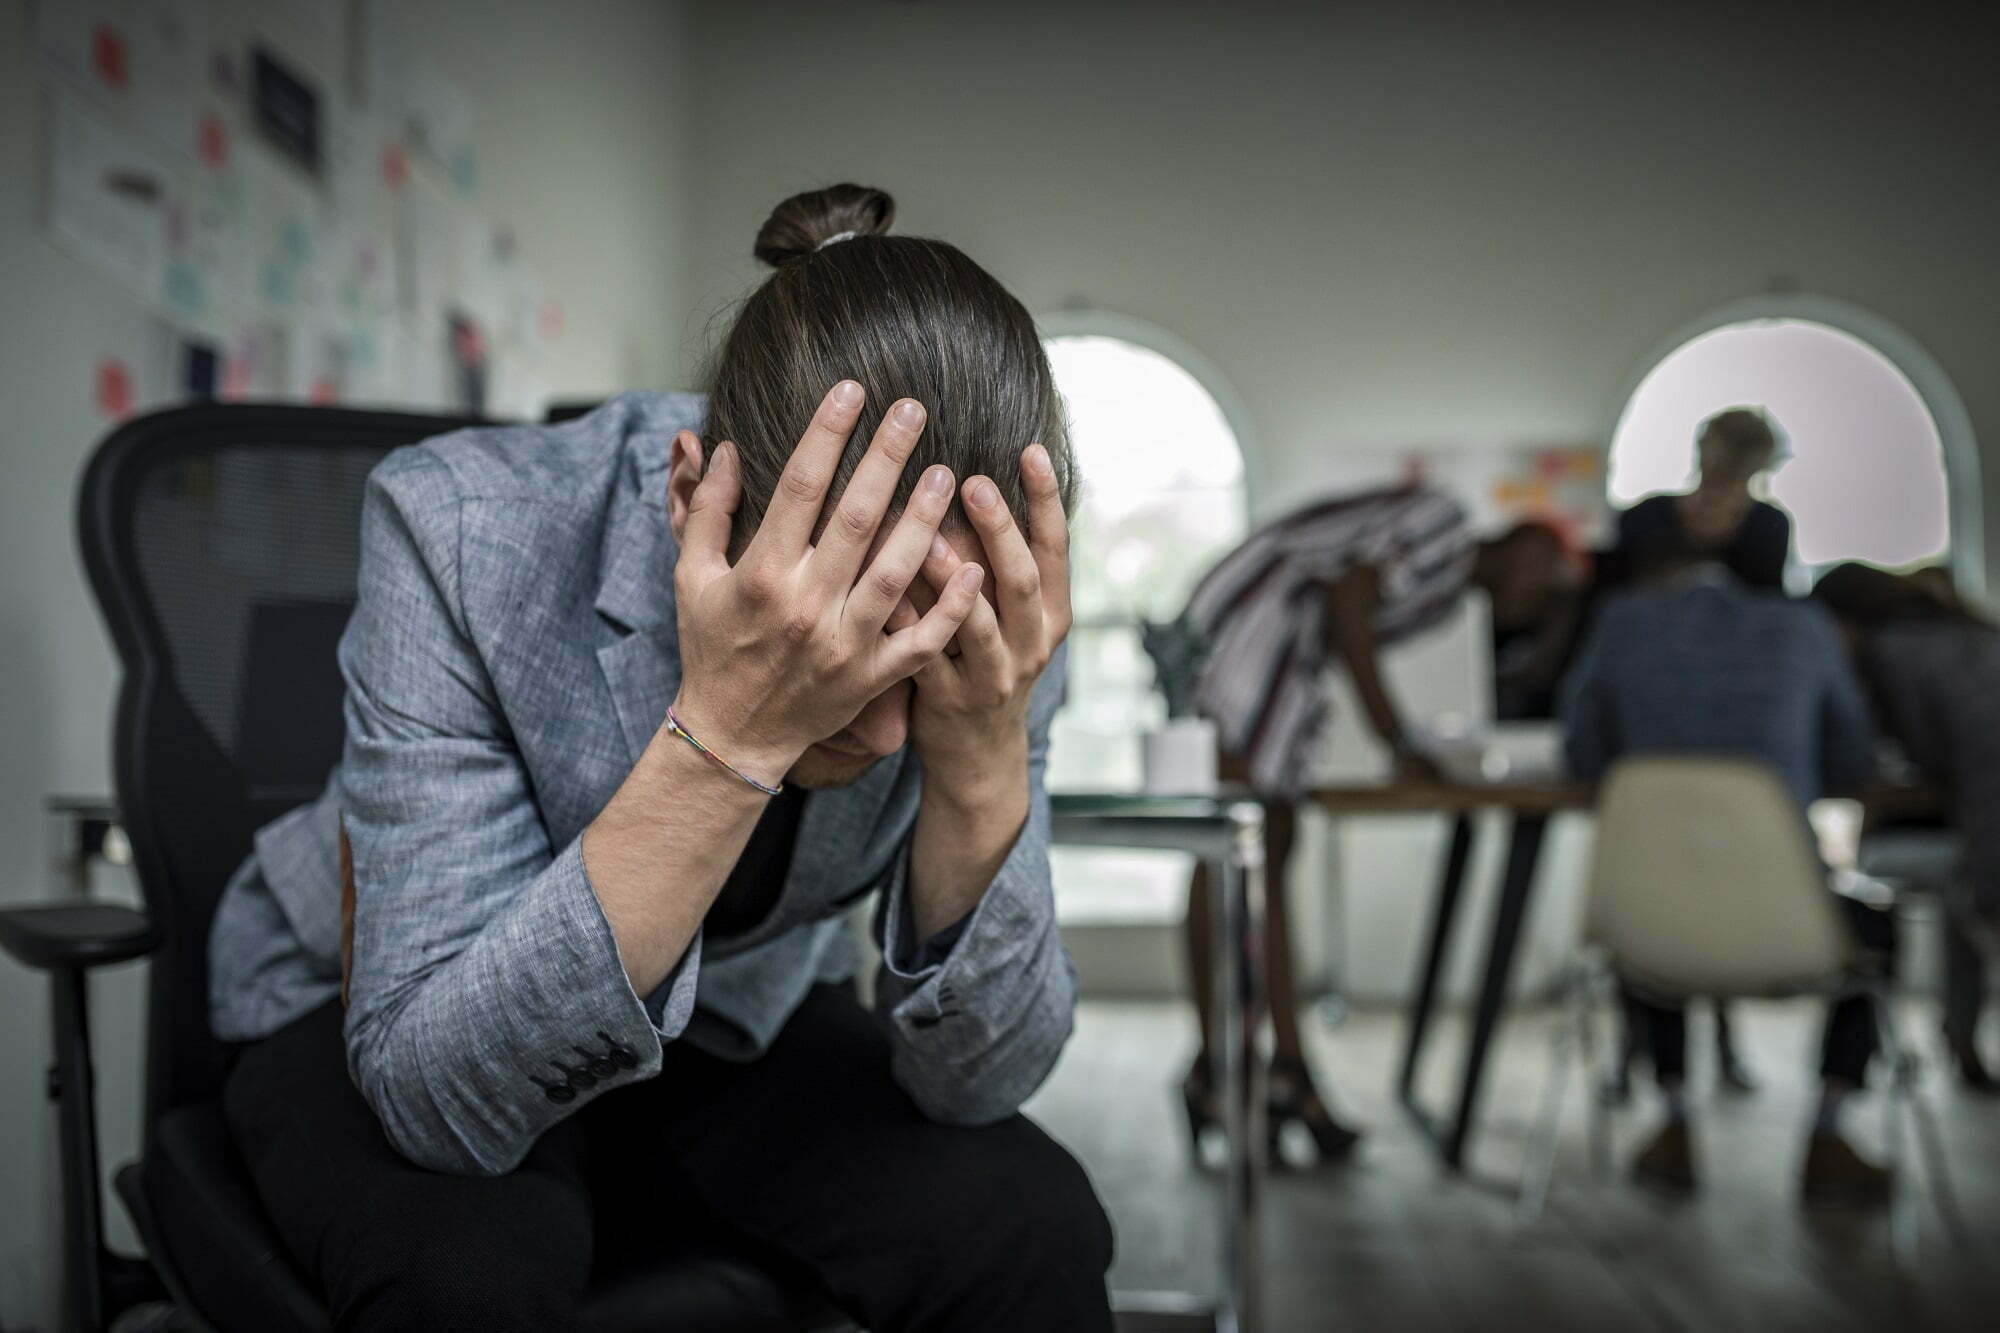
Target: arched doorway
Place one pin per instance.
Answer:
(1879, 462)
(1162, 465)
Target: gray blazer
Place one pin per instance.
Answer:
(511, 654)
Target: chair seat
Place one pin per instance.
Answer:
(75, 934)
(194, 1203)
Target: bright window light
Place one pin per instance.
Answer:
(1863, 468)
(1161, 500)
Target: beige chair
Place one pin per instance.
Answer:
(1704, 882)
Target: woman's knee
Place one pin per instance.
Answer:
(508, 1274)
(1054, 1226)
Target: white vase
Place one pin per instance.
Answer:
(1178, 759)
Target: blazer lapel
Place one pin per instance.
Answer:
(636, 596)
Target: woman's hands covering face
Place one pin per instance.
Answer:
(971, 703)
(786, 646)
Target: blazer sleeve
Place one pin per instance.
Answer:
(977, 1017)
(487, 1000)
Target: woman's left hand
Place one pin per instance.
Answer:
(970, 714)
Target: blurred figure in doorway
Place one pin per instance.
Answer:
(1333, 582)
(1932, 668)
(1720, 518)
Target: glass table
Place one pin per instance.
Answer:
(1226, 831)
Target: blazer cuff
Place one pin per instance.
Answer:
(971, 973)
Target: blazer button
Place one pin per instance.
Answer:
(600, 1066)
(621, 1054)
(579, 1078)
(555, 1092)
(925, 1021)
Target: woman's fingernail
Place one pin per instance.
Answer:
(910, 413)
(938, 480)
(983, 493)
(1038, 459)
(846, 393)
(939, 550)
(970, 576)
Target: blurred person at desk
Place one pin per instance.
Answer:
(1932, 668)
(1691, 660)
(1720, 518)
(1335, 581)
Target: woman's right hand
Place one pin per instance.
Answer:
(785, 647)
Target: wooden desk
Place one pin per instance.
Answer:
(1529, 805)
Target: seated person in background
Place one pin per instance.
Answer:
(1719, 518)
(1932, 667)
(637, 708)
(1333, 582)
(1689, 660)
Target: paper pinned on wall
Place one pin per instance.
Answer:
(441, 120)
(142, 59)
(108, 198)
(286, 242)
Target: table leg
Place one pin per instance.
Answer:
(1238, 983)
(1523, 854)
(1445, 914)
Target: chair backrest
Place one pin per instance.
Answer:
(222, 543)
(1703, 881)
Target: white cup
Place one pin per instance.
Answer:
(1178, 758)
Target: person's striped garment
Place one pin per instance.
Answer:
(1261, 612)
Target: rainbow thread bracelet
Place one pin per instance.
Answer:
(674, 725)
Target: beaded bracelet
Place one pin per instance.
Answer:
(674, 726)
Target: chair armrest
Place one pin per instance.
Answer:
(75, 935)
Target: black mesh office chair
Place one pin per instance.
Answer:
(222, 543)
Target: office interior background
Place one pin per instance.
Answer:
(1520, 250)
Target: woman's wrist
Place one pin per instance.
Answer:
(733, 750)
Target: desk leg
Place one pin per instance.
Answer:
(1238, 883)
(1523, 854)
(1446, 913)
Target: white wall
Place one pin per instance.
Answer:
(583, 121)
(1389, 226)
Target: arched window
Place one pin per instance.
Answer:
(1863, 468)
(1161, 499)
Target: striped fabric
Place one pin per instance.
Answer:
(1261, 613)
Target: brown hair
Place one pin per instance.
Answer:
(1866, 596)
(1744, 435)
(904, 316)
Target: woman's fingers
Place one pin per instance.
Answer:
(711, 510)
(850, 529)
(788, 523)
(1017, 579)
(909, 650)
(895, 565)
(1048, 530)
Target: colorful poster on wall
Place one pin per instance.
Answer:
(1558, 484)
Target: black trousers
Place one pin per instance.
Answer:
(1847, 1042)
(810, 1154)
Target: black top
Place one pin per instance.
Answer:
(1756, 554)
(758, 877)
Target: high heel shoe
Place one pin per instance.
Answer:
(1290, 1099)
(1198, 1101)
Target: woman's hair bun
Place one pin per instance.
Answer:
(804, 222)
